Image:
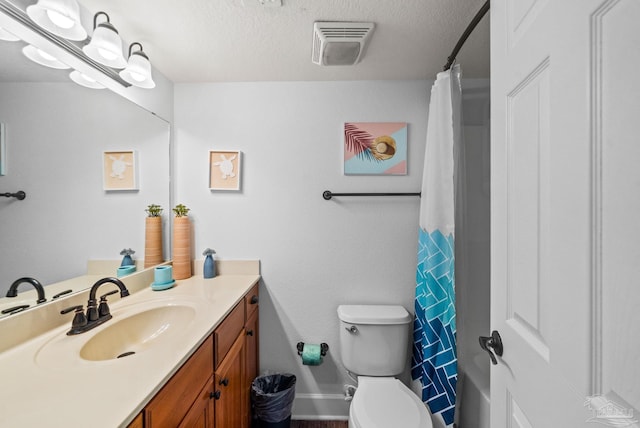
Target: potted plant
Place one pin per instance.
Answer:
(154, 210)
(181, 242)
(181, 210)
(153, 236)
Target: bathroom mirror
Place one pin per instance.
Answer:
(59, 142)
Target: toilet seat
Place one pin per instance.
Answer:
(383, 402)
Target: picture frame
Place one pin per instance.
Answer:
(375, 148)
(3, 150)
(225, 170)
(120, 170)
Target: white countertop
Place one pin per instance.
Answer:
(38, 391)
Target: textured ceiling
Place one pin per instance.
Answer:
(226, 40)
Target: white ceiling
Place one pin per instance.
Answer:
(226, 40)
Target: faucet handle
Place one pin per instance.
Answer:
(79, 318)
(72, 308)
(103, 308)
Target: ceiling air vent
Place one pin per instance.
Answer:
(340, 43)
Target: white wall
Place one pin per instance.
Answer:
(473, 238)
(315, 254)
(55, 140)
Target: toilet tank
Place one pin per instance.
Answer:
(374, 339)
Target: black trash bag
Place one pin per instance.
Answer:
(272, 397)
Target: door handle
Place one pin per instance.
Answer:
(493, 342)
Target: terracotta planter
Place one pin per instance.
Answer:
(181, 248)
(153, 241)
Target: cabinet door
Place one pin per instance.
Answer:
(229, 384)
(138, 422)
(171, 404)
(201, 414)
(251, 367)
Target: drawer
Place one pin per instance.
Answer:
(227, 332)
(251, 301)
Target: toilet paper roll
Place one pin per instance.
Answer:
(311, 354)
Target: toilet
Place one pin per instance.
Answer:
(374, 341)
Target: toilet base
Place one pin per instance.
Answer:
(382, 402)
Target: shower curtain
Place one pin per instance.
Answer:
(434, 361)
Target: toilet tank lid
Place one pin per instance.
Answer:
(373, 314)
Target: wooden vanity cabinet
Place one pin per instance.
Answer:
(237, 365)
(229, 404)
(174, 401)
(201, 414)
(212, 389)
(251, 367)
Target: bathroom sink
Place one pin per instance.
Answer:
(132, 330)
(137, 333)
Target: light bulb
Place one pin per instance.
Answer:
(59, 19)
(84, 80)
(87, 78)
(108, 55)
(137, 76)
(8, 36)
(45, 55)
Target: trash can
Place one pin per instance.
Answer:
(272, 397)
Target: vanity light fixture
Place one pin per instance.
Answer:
(41, 57)
(138, 71)
(105, 46)
(8, 36)
(84, 80)
(60, 17)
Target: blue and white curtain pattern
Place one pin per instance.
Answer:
(434, 362)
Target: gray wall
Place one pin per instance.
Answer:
(315, 254)
(55, 136)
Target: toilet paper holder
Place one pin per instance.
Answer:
(323, 348)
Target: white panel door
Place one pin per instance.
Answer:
(565, 200)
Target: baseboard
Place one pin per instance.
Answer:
(318, 407)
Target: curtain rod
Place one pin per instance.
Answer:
(476, 19)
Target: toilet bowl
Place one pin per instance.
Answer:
(385, 402)
(374, 343)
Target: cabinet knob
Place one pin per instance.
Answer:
(249, 332)
(254, 299)
(215, 394)
(224, 381)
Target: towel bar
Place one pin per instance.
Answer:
(20, 195)
(327, 194)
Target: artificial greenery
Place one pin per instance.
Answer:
(154, 210)
(181, 210)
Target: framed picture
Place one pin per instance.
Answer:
(375, 148)
(120, 170)
(3, 151)
(224, 169)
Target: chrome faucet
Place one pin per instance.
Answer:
(94, 316)
(13, 290)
